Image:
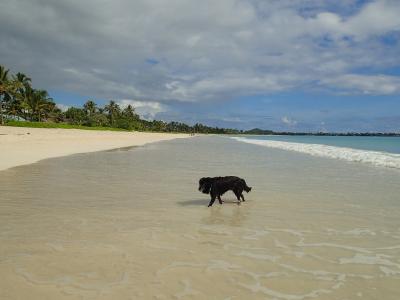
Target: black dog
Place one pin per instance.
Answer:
(217, 186)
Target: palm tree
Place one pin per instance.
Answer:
(90, 107)
(12, 93)
(75, 115)
(22, 79)
(113, 110)
(39, 103)
(129, 112)
(3, 78)
(18, 104)
(4, 90)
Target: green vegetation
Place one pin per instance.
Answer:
(20, 101)
(57, 125)
(22, 105)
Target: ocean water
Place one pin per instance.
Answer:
(130, 224)
(379, 151)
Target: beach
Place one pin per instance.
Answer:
(186, 150)
(130, 224)
(20, 145)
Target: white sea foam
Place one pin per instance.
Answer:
(383, 159)
(370, 260)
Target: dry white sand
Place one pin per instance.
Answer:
(21, 146)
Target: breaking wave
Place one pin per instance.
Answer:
(383, 159)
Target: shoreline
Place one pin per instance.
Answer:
(22, 145)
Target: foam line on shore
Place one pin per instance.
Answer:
(382, 159)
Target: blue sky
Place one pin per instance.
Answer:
(298, 65)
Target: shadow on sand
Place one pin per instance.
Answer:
(196, 202)
(204, 202)
(122, 149)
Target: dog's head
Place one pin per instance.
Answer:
(247, 189)
(205, 184)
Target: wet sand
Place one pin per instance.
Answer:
(130, 224)
(21, 146)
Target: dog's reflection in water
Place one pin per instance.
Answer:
(235, 215)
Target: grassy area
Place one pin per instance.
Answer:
(58, 125)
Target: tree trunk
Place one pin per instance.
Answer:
(1, 112)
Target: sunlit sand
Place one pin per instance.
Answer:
(20, 146)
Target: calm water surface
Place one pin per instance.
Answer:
(130, 224)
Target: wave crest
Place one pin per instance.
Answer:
(382, 159)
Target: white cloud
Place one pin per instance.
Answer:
(63, 107)
(377, 17)
(288, 121)
(145, 109)
(365, 84)
(211, 51)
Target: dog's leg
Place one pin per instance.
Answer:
(212, 200)
(237, 195)
(220, 200)
(240, 193)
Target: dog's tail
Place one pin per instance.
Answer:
(245, 187)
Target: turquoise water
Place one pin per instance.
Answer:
(378, 151)
(384, 144)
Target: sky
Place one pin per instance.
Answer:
(285, 65)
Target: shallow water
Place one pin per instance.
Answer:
(130, 224)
